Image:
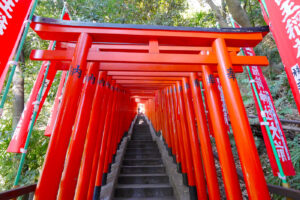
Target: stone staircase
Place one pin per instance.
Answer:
(142, 174)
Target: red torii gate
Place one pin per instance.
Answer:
(167, 62)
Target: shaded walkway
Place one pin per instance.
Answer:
(142, 173)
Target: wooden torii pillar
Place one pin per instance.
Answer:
(143, 51)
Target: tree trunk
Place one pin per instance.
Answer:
(18, 93)
(238, 13)
(217, 12)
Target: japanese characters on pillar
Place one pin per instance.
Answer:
(273, 120)
(284, 21)
(224, 108)
(12, 16)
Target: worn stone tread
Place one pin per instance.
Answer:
(146, 198)
(148, 186)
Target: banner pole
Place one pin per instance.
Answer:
(34, 115)
(281, 175)
(265, 6)
(16, 60)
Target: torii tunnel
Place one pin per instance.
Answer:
(111, 65)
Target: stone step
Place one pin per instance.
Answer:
(143, 179)
(146, 198)
(142, 141)
(141, 130)
(153, 154)
(148, 142)
(133, 162)
(144, 190)
(142, 156)
(142, 146)
(141, 137)
(141, 169)
(142, 174)
(137, 150)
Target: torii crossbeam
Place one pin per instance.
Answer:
(162, 66)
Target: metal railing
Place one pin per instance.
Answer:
(17, 192)
(273, 189)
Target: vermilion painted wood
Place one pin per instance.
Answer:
(102, 107)
(127, 113)
(94, 132)
(252, 170)
(136, 91)
(132, 93)
(168, 119)
(152, 108)
(164, 118)
(142, 97)
(141, 94)
(181, 155)
(72, 164)
(145, 82)
(144, 52)
(194, 142)
(156, 116)
(114, 128)
(145, 86)
(146, 78)
(176, 149)
(159, 112)
(111, 104)
(230, 178)
(111, 135)
(171, 121)
(50, 78)
(162, 69)
(152, 74)
(208, 117)
(54, 111)
(146, 58)
(121, 124)
(122, 116)
(69, 31)
(120, 119)
(55, 157)
(204, 139)
(145, 48)
(185, 136)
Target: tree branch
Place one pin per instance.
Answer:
(217, 12)
(238, 13)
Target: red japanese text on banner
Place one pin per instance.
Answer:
(2, 78)
(284, 21)
(273, 120)
(13, 13)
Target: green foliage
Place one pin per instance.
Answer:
(203, 19)
(253, 10)
(159, 12)
(294, 181)
(156, 12)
